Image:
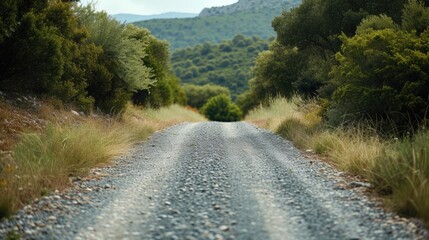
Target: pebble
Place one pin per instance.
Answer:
(224, 228)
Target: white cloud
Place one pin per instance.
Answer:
(146, 7)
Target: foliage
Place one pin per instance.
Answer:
(44, 51)
(189, 32)
(167, 90)
(82, 57)
(220, 108)
(382, 75)
(415, 16)
(226, 64)
(122, 69)
(356, 56)
(198, 95)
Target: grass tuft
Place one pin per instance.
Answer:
(402, 172)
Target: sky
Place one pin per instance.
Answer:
(149, 7)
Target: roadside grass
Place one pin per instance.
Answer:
(397, 169)
(43, 161)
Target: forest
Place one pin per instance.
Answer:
(226, 64)
(183, 33)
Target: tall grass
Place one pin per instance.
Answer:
(402, 172)
(281, 109)
(398, 169)
(42, 162)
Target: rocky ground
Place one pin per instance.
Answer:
(212, 181)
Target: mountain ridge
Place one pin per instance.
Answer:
(130, 18)
(249, 6)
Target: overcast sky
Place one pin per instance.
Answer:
(148, 7)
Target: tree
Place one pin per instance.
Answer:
(42, 51)
(415, 16)
(382, 75)
(122, 69)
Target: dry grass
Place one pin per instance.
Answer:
(398, 170)
(43, 161)
(281, 109)
(354, 151)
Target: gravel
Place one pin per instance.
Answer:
(212, 181)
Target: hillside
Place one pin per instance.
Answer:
(188, 32)
(226, 64)
(129, 18)
(249, 6)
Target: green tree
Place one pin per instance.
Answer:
(123, 70)
(44, 51)
(415, 16)
(220, 108)
(382, 75)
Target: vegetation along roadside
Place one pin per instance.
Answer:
(56, 56)
(361, 73)
(69, 145)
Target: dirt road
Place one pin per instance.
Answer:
(212, 181)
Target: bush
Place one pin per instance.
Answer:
(220, 108)
(382, 76)
(198, 95)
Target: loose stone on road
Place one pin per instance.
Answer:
(212, 181)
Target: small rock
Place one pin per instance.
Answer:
(224, 228)
(107, 186)
(74, 113)
(52, 218)
(216, 207)
(359, 184)
(219, 237)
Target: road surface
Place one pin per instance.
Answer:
(212, 181)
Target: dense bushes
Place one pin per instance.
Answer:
(83, 57)
(220, 108)
(382, 75)
(366, 61)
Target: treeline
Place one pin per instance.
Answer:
(188, 32)
(366, 61)
(60, 49)
(226, 64)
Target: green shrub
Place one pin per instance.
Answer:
(220, 108)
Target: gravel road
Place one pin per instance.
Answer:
(212, 181)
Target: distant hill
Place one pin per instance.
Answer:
(249, 6)
(244, 17)
(130, 18)
(227, 64)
